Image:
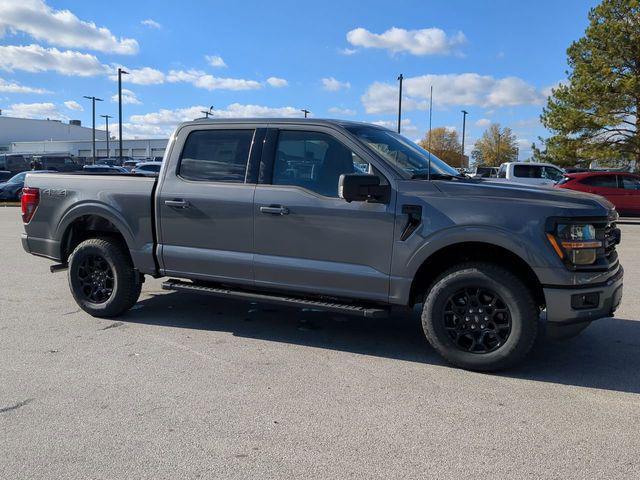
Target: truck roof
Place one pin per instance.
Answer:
(292, 121)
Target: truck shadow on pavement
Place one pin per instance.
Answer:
(605, 356)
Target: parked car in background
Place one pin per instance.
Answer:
(58, 163)
(12, 188)
(104, 169)
(108, 161)
(14, 163)
(150, 169)
(130, 164)
(486, 172)
(621, 189)
(530, 173)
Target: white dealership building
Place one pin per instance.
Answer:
(26, 135)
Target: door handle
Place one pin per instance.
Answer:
(275, 210)
(176, 203)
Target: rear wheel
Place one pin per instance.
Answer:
(480, 316)
(102, 278)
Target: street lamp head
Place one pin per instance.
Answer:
(122, 71)
(464, 112)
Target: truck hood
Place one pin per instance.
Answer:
(567, 202)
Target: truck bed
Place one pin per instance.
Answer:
(124, 200)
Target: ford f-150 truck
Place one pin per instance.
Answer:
(335, 215)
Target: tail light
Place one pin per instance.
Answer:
(29, 202)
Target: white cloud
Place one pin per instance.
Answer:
(12, 87)
(34, 110)
(347, 51)
(426, 41)
(142, 76)
(73, 105)
(342, 111)
(406, 127)
(483, 122)
(60, 27)
(215, 61)
(151, 23)
(209, 82)
(34, 58)
(164, 121)
(128, 98)
(333, 85)
(451, 89)
(277, 82)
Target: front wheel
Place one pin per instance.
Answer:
(480, 316)
(102, 278)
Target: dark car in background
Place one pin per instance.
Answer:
(620, 188)
(58, 163)
(104, 169)
(14, 162)
(12, 188)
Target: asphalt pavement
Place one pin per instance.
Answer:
(187, 386)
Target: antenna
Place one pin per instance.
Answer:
(429, 139)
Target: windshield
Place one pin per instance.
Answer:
(402, 152)
(19, 178)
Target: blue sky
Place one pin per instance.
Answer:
(496, 59)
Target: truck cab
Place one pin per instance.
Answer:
(530, 173)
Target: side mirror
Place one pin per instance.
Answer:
(362, 187)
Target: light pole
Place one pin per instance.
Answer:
(400, 78)
(93, 127)
(207, 113)
(305, 111)
(120, 73)
(464, 129)
(107, 117)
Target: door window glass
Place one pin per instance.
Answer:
(605, 181)
(314, 161)
(527, 171)
(552, 173)
(216, 155)
(630, 183)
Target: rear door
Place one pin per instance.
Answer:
(307, 239)
(604, 185)
(630, 199)
(206, 203)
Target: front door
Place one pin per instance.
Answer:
(307, 239)
(205, 207)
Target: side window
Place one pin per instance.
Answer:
(527, 171)
(216, 155)
(605, 181)
(552, 173)
(630, 183)
(502, 172)
(314, 161)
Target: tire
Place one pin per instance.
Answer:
(102, 278)
(501, 327)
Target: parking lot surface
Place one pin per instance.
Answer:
(187, 386)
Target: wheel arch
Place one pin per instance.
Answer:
(462, 252)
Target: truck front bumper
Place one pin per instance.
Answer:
(573, 305)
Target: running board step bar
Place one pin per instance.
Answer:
(368, 312)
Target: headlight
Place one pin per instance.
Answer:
(575, 243)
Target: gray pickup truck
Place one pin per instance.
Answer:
(335, 215)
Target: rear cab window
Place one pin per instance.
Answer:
(527, 171)
(216, 155)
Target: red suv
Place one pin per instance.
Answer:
(621, 189)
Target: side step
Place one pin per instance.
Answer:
(368, 312)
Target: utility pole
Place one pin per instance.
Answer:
(464, 129)
(305, 111)
(107, 117)
(400, 78)
(120, 73)
(93, 127)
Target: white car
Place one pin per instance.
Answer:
(531, 173)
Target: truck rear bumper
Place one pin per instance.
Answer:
(574, 305)
(43, 247)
